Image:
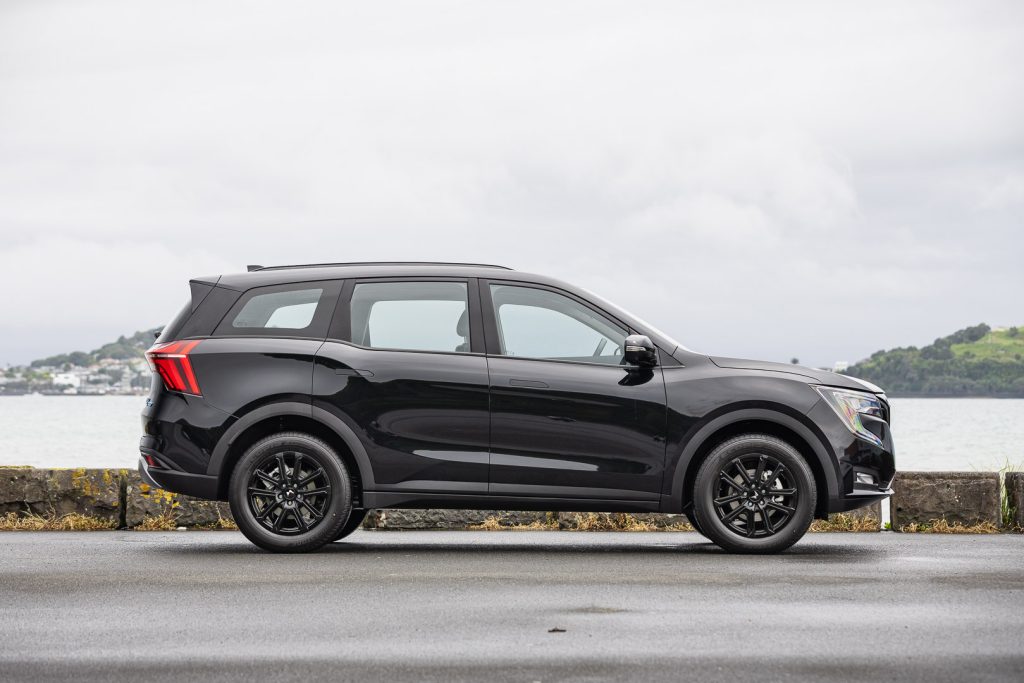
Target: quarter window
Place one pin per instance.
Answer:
(538, 323)
(414, 316)
(292, 310)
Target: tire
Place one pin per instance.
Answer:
(351, 524)
(741, 515)
(692, 519)
(283, 514)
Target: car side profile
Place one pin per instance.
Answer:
(307, 396)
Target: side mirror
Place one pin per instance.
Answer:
(640, 351)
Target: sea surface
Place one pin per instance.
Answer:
(979, 434)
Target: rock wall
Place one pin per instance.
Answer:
(966, 498)
(121, 496)
(1015, 500)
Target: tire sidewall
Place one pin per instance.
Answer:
(707, 479)
(351, 524)
(338, 510)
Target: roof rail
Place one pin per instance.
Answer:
(377, 263)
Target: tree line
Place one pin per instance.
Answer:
(940, 370)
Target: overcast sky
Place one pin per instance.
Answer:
(762, 180)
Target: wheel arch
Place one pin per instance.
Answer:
(751, 421)
(282, 417)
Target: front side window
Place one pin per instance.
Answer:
(538, 323)
(413, 316)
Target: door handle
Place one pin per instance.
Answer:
(353, 373)
(536, 384)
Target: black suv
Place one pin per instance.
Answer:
(308, 395)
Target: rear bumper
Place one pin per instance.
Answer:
(195, 485)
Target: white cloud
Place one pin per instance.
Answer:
(1007, 193)
(809, 172)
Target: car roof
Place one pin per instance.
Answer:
(260, 276)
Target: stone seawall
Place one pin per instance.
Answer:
(119, 495)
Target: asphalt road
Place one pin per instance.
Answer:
(440, 606)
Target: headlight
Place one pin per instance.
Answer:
(850, 405)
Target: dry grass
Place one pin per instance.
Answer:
(12, 521)
(495, 524)
(590, 521)
(844, 522)
(941, 526)
(164, 522)
(221, 524)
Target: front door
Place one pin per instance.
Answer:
(568, 419)
(400, 372)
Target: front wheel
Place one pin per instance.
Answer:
(754, 494)
(354, 520)
(290, 493)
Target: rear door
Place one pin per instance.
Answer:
(568, 419)
(404, 367)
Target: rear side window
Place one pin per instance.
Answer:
(295, 310)
(413, 316)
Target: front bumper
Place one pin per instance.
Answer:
(856, 462)
(858, 499)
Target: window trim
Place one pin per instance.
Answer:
(341, 325)
(493, 337)
(318, 325)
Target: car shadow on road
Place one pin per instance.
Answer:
(816, 552)
(393, 544)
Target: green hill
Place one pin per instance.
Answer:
(976, 361)
(125, 348)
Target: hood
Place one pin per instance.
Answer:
(832, 379)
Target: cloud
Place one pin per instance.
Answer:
(807, 180)
(1006, 194)
(67, 294)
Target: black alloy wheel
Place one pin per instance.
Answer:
(290, 492)
(754, 494)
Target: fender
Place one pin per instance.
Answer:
(674, 501)
(342, 430)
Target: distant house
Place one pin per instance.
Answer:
(841, 366)
(68, 379)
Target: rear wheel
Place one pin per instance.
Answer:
(692, 519)
(290, 492)
(354, 520)
(754, 494)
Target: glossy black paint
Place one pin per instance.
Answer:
(576, 430)
(422, 417)
(478, 429)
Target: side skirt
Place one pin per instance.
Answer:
(376, 500)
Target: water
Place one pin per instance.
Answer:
(103, 431)
(70, 431)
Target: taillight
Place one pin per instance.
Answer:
(171, 362)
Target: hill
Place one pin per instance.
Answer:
(975, 361)
(125, 348)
